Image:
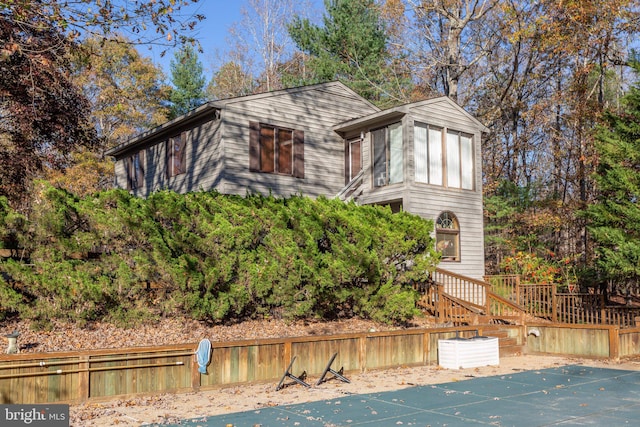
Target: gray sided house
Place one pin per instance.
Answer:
(325, 140)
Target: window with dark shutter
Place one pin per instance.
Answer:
(134, 167)
(176, 155)
(274, 149)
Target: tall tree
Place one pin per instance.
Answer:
(614, 218)
(351, 45)
(453, 39)
(43, 115)
(188, 81)
(263, 27)
(541, 91)
(125, 90)
(230, 81)
(125, 94)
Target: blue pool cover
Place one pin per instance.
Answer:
(563, 396)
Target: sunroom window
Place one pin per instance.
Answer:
(459, 161)
(387, 155)
(443, 161)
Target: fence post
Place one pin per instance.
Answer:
(554, 305)
(518, 301)
(614, 342)
(195, 373)
(426, 347)
(362, 357)
(83, 379)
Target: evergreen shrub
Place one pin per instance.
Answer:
(214, 257)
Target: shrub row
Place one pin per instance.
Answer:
(213, 257)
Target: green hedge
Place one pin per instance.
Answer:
(215, 257)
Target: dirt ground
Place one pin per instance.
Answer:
(170, 408)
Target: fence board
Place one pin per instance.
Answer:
(153, 370)
(578, 340)
(629, 342)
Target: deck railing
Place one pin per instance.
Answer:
(505, 285)
(545, 302)
(456, 299)
(461, 287)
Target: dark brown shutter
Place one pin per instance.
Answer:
(298, 153)
(254, 146)
(183, 152)
(347, 161)
(167, 157)
(128, 168)
(140, 176)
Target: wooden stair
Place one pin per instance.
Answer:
(508, 345)
(460, 300)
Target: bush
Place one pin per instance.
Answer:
(217, 258)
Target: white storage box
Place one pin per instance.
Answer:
(461, 353)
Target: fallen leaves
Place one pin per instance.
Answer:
(98, 335)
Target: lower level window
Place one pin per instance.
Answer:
(448, 236)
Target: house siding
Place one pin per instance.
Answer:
(202, 156)
(218, 155)
(204, 159)
(218, 148)
(429, 201)
(314, 112)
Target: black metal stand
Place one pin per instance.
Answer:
(336, 374)
(288, 374)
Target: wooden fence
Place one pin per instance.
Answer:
(79, 376)
(596, 341)
(544, 301)
(98, 375)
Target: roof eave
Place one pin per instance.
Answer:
(165, 128)
(371, 119)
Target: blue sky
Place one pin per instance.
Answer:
(212, 32)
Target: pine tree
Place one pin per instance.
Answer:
(615, 216)
(351, 47)
(188, 80)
